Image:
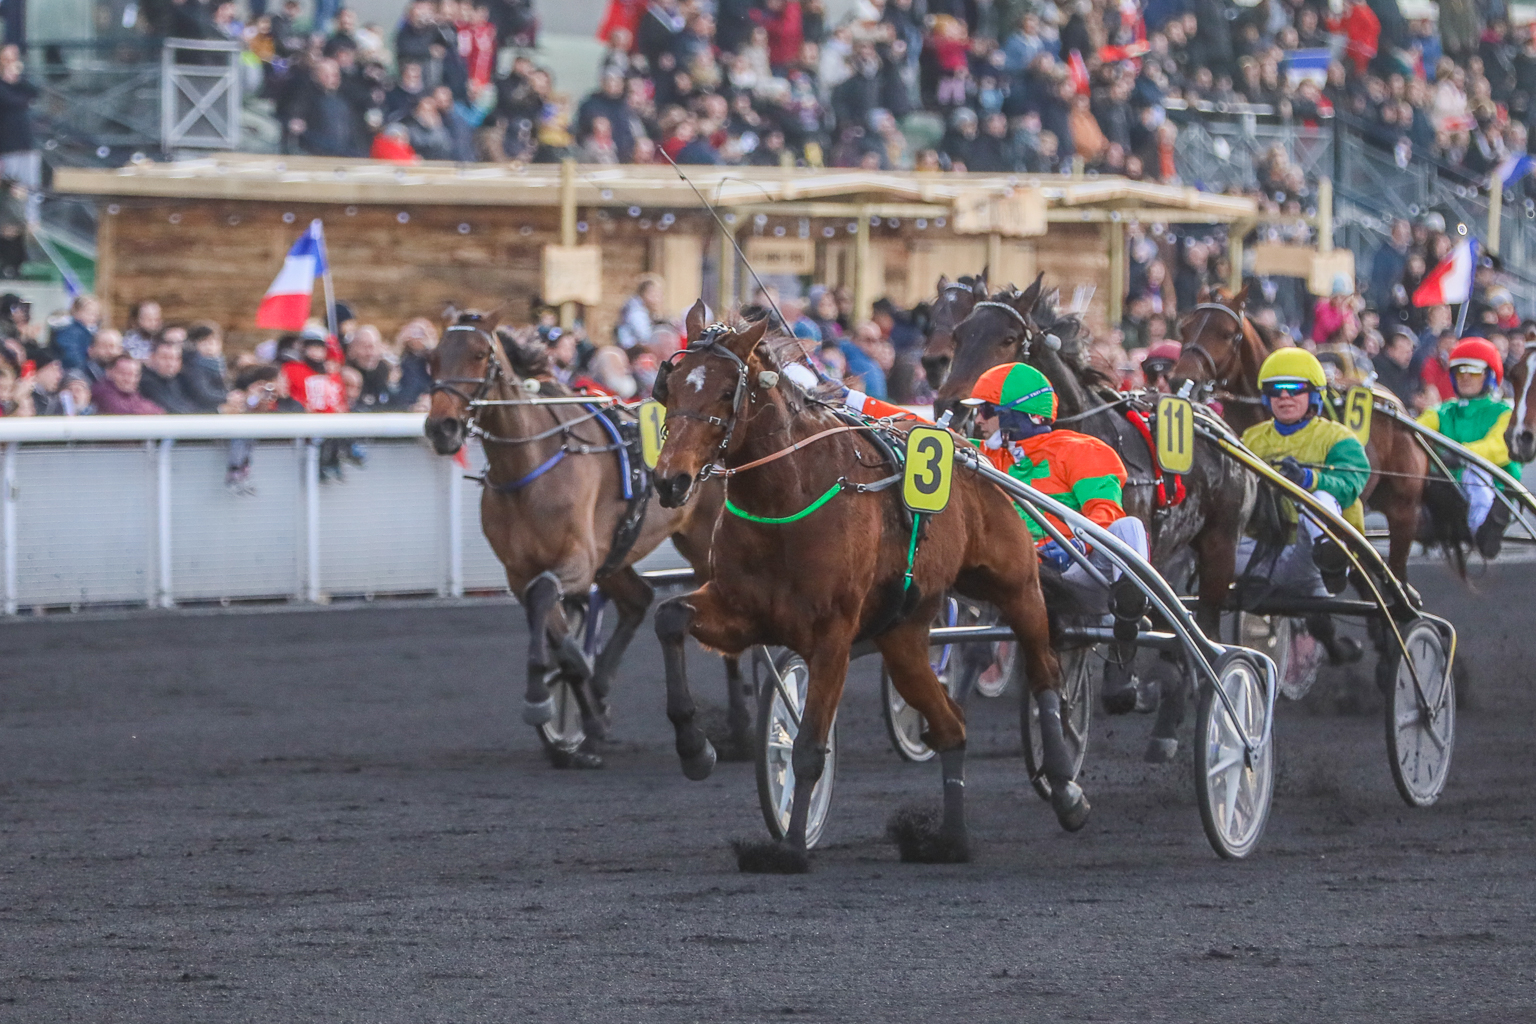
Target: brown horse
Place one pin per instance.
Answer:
(1207, 524)
(1223, 350)
(551, 509)
(953, 305)
(818, 580)
(1520, 437)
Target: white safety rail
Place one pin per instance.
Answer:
(123, 510)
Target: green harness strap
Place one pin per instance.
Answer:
(917, 520)
(831, 493)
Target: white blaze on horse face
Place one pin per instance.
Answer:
(696, 378)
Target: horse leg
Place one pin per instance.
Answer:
(1402, 512)
(828, 668)
(540, 598)
(1023, 608)
(703, 615)
(739, 712)
(906, 655)
(631, 596)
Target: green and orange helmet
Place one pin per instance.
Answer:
(1015, 387)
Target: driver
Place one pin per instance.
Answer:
(1316, 454)
(1157, 366)
(1477, 418)
(1016, 410)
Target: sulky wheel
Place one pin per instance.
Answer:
(903, 723)
(564, 732)
(778, 726)
(1076, 715)
(994, 678)
(1421, 720)
(1234, 787)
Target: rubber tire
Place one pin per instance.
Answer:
(1414, 791)
(565, 731)
(1210, 714)
(1076, 713)
(775, 748)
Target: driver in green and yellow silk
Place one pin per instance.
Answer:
(1477, 418)
(1320, 455)
(1016, 413)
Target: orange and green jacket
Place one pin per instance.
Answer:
(1081, 472)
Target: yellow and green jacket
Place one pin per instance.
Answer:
(1479, 425)
(1328, 448)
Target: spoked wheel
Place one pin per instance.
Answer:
(1076, 715)
(994, 678)
(903, 723)
(778, 724)
(1421, 720)
(563, 732)
(1296, 654)
(1234, 786)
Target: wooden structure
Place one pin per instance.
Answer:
(204, 237)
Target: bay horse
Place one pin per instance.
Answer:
(817, 553)
(953, 305)
(1205, 526)
(1223, 350)
(551, 512)
(1520, 436)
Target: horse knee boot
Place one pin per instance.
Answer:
(539, 597)
(1067, 798)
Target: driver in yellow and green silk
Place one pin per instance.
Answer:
(1317, 454)
(1016, 413)
(1477, 418)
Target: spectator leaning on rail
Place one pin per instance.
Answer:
(117, 394)
(202, 370)
(160, 380)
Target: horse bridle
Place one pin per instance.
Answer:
(1024, 338)
(709, 344)
(1218, 378)
(483, 385)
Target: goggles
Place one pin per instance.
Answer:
(1469, 369)
(1286, 388)
(1157, 367)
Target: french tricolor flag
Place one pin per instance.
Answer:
(1513, 169)
(286, 305)
(1450, 283)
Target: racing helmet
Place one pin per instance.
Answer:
(1293, 369)
(1161, 358)
(1479, 354)
(1015, 387)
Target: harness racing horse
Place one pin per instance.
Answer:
(1223, 350)
(1206, 524)
(953, 305)
(818, 552)
(559, 520)
(1520, 437)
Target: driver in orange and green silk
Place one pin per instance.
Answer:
(1016, 408)
(1477, 418)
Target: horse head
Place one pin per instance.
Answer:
(706, 388)
(953, 305)
(1520, 436)
(997, 330)
(1214, 335)
(465, 367)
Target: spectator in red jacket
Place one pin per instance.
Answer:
(117, 394)
(312, 380)
(622, 14)
(781, 19)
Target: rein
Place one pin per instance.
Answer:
(1218, 378)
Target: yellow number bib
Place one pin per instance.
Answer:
(1175, 434)
(652, 415)
(1358, 404)
(930, 469)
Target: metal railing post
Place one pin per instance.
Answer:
(8, 496)
(455, 529)
(312, 521)
(163, 581)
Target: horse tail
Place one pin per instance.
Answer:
(1444, 524)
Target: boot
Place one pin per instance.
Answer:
(1332, 563)
(1490, 535)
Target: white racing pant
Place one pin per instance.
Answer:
(1094, 598)
(1292, 569)
(1478, 488)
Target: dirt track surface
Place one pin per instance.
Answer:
(337, 816)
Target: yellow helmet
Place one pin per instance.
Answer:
(1293, 364)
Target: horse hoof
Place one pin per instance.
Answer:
(1070, 805)
(1161, 751)
(770, 858)
(701, 764)
(595, 728)
(578, 759)
(920, 838)
(1120, 702)
(538, 712)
